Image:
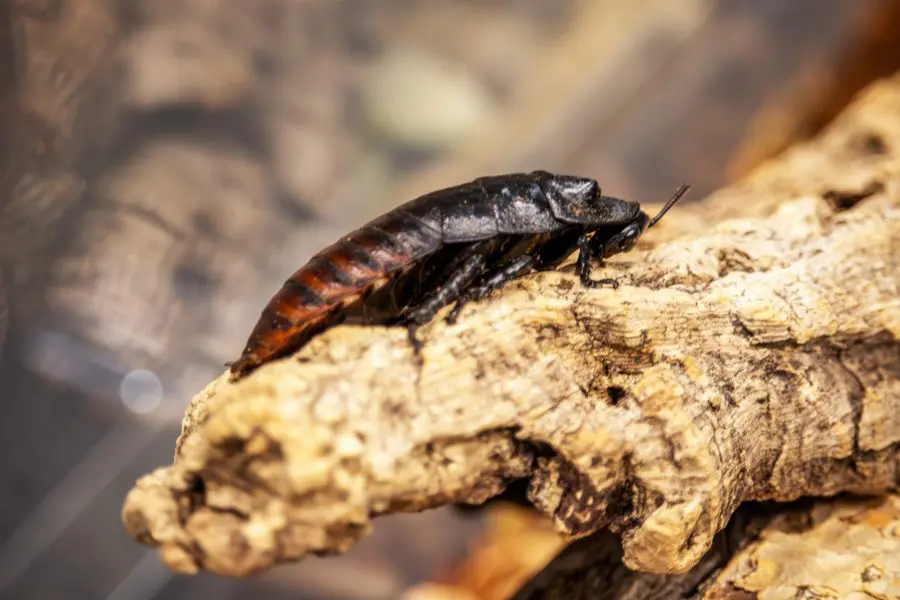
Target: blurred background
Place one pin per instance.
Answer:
(165, 164)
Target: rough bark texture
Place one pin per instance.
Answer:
(846, 548)
(752, 354)
(592, 568)
(841, 549)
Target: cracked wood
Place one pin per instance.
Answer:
(751, 353)
(831, 549)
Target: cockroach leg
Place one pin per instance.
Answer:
(458, 281)
(584, 266)
(414, 341)
(493, 280)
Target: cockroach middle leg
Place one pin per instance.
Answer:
(584, 266)
(455, 285)
(491, 281)
(414, 341)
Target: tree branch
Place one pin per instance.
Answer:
(828, 549)
(752, 354)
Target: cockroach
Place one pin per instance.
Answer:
(453, 245)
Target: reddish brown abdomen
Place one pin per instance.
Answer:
(314, 297)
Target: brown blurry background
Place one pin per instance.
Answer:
(167, 163)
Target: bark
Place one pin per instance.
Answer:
(840, 549)
(751, 353)
(829, 550)
(592, 568)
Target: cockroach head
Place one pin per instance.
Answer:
(626, 238)
(578, 200)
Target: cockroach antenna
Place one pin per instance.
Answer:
(675, 198)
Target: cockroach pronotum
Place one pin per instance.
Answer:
(453, 245)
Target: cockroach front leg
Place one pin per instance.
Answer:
(455, 285)
(493, 280)
(584, 266)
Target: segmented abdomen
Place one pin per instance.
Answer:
(316, 295)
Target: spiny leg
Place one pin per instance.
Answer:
(583, 267)
(453, 288)
(492, 280)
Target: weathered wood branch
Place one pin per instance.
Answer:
(836, 549)
(752, 354)
(592, 568)
(839, 548)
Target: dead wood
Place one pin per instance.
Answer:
(832, 549)
(592, 568)
(835, 549)
(751, 353)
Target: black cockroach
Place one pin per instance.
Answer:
(456, 244)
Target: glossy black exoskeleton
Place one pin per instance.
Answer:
(453, 245)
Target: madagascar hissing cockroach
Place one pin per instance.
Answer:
(456, 244)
